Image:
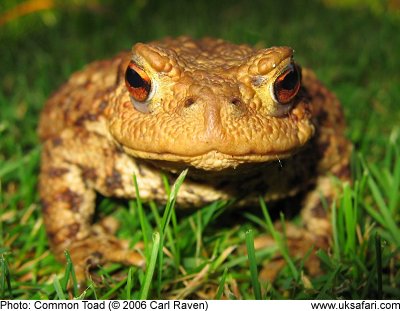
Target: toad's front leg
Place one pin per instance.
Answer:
(75, 165)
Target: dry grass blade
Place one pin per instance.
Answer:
(25, 8)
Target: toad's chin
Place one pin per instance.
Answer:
(210, 161)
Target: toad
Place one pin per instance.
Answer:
(246, 122)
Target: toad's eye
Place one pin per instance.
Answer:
(287, 84)
(138, 82)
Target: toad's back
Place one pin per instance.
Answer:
(83, 98)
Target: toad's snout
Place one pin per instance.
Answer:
(212, 103)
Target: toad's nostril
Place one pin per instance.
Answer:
(188, 102)
(236, 101)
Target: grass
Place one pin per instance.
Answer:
(355, 53)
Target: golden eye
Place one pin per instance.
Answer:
(287, 84)
(138, 82)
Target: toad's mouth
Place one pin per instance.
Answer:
(210, 161)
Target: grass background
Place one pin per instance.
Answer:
(354, 48)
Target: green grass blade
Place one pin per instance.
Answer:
(335, 232)
(329, 284)
(198, 233)
(10, 166)
(168, 212)
(277, 237)
(70, 271)
(160, 266)
(221, 285)
(374, 213)
(129, 283)
(211, 210)
(58, 289)
(4, 277)
(394, 205)
(141, 214)
(156, 214)
(350, 214)
(113, 289)
(151, 267)
(386, 214)
(253, 264)
(171, 200)
(378, 250)
(166, 184)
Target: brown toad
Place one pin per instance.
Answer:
(246, 122)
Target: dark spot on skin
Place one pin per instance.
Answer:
(73, 230)
(102, 106)
(119, 149)
(141, 171)
(46, 153)
(321, 241)
(201, 198)
(190, 190)
(45, 206)
(99, 97)
(57, 172)
(83, 134)
(57, 141)
(343, 172)
(110, 89)
(88, 84)
(89, 173)
(256, 81)
(293, 117)
(322, 147)
(72, 198)
(65, 115)
(51, 236)
(86, 117)
(94, 259)
(339, 118)
(322, 117)
(98, 255)
(307, 109)
(154, 191)
(78, 104)
(318, 211)
(114, 243)
(113, 181)
(342, 149)
(304, 94)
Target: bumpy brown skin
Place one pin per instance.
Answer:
(211, 110)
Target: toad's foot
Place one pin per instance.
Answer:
(300, 244)
(317, 231)
(99, 249)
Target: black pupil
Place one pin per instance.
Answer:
(290, 81)
(134, 79)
